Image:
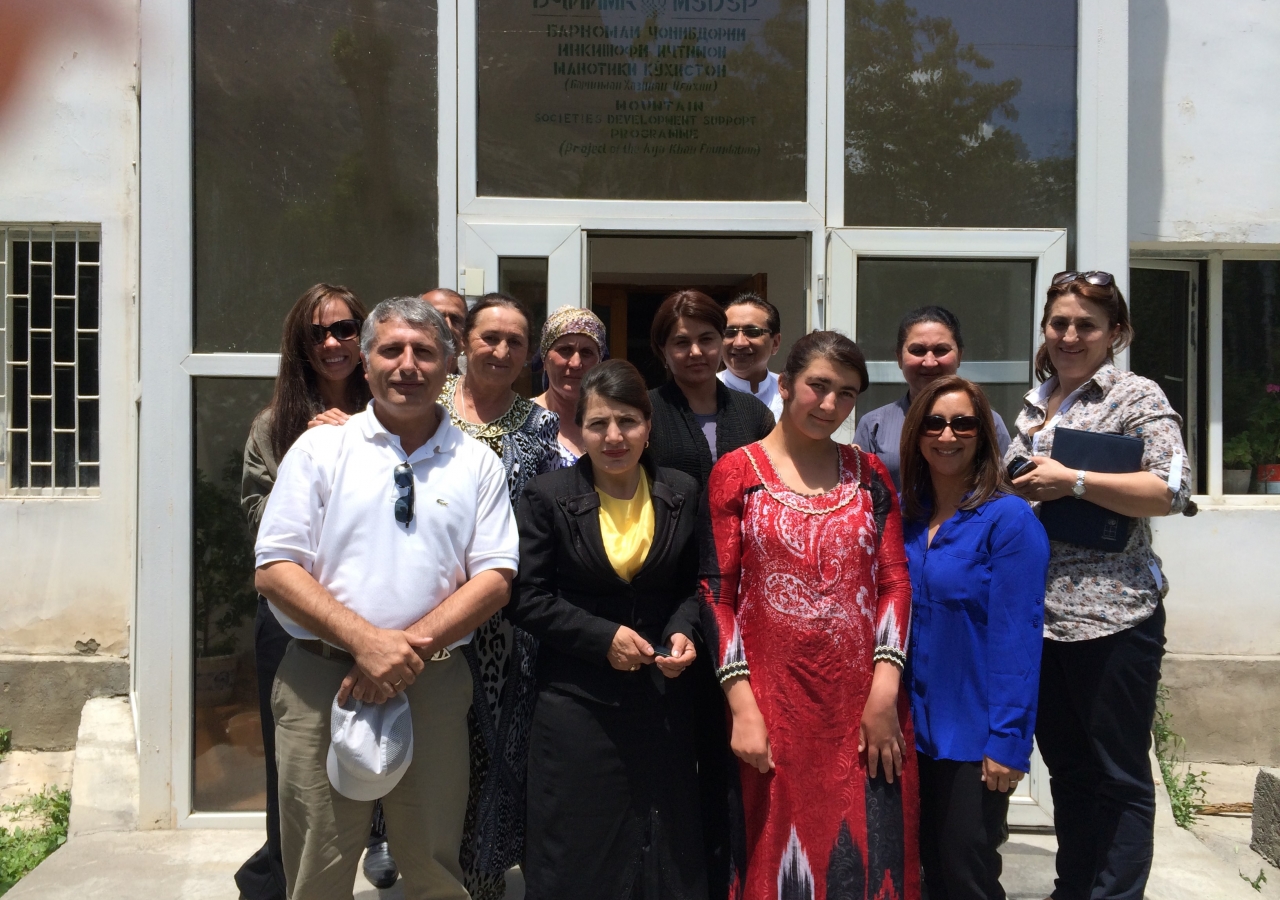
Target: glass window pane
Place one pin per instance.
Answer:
(228, 756)
(315, 158)
(993, 299)
(1251, 372)
(525, 278)
(644, 100)
(960, 113)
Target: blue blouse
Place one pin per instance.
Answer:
(977, 623)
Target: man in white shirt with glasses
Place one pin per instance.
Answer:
(384, 544)
(752, 337)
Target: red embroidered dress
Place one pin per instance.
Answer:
(805, 593)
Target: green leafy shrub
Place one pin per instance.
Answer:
(46, 815)
(1186, 789)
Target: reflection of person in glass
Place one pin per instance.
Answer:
(607, 584)
(1103, 612)
(930, 346)
(573, 343)
(696, 420)
(483, 404)
(977, 557)
(806, 588)
(319, 382)
(752, 336)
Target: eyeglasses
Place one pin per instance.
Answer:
(751, 331)
(404, 504)
(342, 330)
(1101, 279)
(961, 426)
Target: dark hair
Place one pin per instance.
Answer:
(937, 314)
(1107, 296)
(751, 298)
(297, 391)
(829, 345)
(686, 304)
(617, 381)
(497, 299)
(988, 477)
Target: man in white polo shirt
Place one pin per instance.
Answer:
(752, 336)
(384, 544)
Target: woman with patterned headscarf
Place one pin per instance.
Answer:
(573, 343)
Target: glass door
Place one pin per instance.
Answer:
(994, 282)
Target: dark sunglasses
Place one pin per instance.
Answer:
(342, 330)
(751, 331)
(403, 476)
(961, 426)
(1101, 279)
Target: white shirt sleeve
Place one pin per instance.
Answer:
(290, 528)
(495, 544)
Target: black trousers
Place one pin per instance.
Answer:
(261, 877)
(1097, 703)
(962, 825)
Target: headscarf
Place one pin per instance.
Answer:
(570, 320)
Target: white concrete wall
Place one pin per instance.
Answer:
(68, 153)
(1223, 569)
(1204, 121)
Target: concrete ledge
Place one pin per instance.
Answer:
(1266, 815)
(104, 777)
(41, 696)
(1227, 708)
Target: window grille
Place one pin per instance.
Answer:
(49, 343)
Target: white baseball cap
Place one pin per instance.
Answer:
(370, 747)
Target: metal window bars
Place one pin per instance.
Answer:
(50, 350)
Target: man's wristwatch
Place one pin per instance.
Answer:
(1078, 490)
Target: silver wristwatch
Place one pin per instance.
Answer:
(1078, 490)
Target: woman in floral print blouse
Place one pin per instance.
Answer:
(1104, 619)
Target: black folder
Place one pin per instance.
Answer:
(1079, 521)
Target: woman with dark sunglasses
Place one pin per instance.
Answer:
(977, 556)
(320, 382)
(1104, 611)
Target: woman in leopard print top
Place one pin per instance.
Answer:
(483, 404)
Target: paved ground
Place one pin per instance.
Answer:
(198, 864)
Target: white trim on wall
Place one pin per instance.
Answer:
(1102, 141)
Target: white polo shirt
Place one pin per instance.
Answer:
(332, 511)
(768, 393)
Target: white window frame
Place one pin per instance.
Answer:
(1046, 246)
(1150, 254)
(36, 231)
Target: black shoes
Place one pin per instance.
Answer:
(379, 867)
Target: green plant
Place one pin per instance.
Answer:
(1186, 789)
(22, 849)
(6, 741)
(1255, 883)
(223, 558)
(1259, 443)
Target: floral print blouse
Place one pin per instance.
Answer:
(1093, 593)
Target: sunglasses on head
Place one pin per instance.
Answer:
(403, 476)
(751, 331)
(342, 330)
(1098, 278)
(961, 426)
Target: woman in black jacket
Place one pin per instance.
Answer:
(697, 420)
(607, 584)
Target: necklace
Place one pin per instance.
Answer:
(789, 503)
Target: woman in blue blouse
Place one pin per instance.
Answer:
(978, 557)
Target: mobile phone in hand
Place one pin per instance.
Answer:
(1019, 466)
(661, 650)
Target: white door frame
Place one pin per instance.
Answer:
(482, 244)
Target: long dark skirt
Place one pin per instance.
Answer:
(613, 800)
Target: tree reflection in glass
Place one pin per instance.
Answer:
(932, 123)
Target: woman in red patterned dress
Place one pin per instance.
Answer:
(808, 602)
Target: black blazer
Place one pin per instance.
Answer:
(569, 597)
(677, 442)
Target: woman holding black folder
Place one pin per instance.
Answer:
(1104, 619)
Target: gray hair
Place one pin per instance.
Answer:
(412, 311)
